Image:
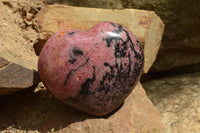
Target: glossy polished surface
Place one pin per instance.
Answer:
(93, 70)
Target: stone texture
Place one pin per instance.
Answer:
(117, 4)
(137, 115)
(93, 70)
(146, 25)
(178, 100)
(181, 39)
(40, 112)
(17, 36)
(14, 77)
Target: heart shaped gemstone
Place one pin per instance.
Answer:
(93, 70)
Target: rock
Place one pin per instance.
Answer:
(180, 45)
(93, 70)
(137, 115)
(14, 77)
(146, 25)
(17, 36)
(40, 112)
(117, 4)
(178, 100)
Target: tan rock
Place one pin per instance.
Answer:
(137, 115)
(146, 25)
(17, 37)
(109, 4)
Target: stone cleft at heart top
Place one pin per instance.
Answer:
(94, 70)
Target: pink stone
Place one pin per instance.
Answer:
(93, 70)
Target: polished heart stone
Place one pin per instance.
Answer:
(94, 70)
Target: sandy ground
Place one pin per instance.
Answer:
(177, 98)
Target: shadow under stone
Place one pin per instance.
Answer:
(39, 111)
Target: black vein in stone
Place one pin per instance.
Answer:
(72, 61)
(74, 70)
(77, 51)
(72, 33)
(85, 87)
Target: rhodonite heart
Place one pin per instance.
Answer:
(94, 70)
